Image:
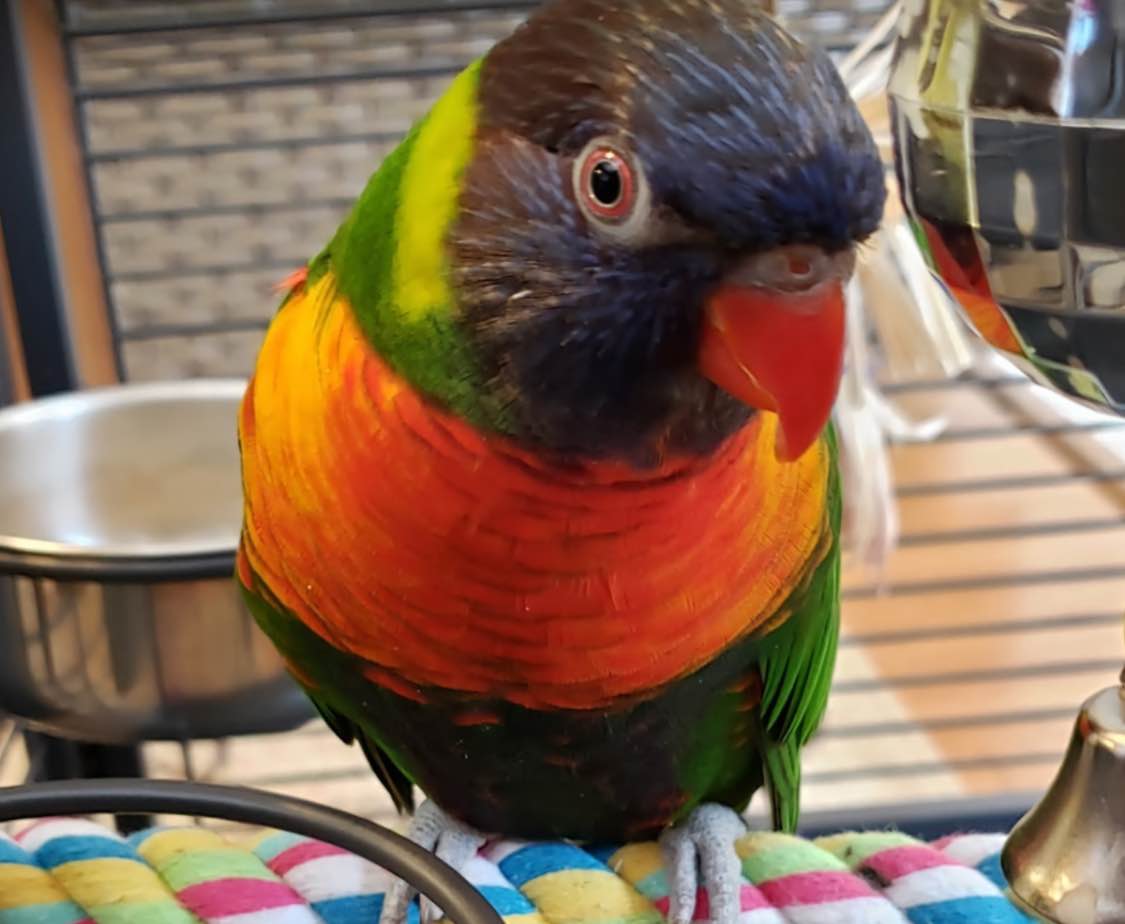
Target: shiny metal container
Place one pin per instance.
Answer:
(1009, 130)
(119, 617)
(1009, 124)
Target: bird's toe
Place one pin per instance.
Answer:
(700, 851)
(450, 841)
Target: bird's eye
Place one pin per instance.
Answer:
(608, 184)
(611, 189)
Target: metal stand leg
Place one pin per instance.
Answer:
(59, 759)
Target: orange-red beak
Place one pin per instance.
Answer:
(779, 346)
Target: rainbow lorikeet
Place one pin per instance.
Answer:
(541, 506)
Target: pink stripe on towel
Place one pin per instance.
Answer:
(224, 897)
(896, 862)
(302, 853)
(814, 889)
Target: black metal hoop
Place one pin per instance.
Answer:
(394, 853)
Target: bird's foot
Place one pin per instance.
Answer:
(445, 837)
(701, 851)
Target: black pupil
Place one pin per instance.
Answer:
(605, 182)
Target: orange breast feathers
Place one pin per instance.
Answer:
(457, 560)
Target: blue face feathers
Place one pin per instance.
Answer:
(730, 137)
(751, 135)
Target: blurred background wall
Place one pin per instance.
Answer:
(225, 139)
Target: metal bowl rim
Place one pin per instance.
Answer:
(106, 570)
(127, 392)
(48, 558)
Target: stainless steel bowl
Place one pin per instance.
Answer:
(119, 616)
(1009, 124)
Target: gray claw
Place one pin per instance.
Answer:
(703, 845)
(445, 837)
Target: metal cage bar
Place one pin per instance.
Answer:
(31, 257)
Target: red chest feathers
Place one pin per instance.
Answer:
(455, 560)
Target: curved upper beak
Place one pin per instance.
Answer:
(773, 337)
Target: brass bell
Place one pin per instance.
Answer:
(1065, 860)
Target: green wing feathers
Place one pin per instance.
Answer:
(797, 662)
(293, 639)
(397, 784)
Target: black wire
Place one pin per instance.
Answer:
(926, 820)
(314, 14)
(394, 853)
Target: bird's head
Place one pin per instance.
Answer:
(656, 224)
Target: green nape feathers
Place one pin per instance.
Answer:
(390, 259)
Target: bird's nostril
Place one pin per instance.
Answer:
(795, 268)
(800, 267)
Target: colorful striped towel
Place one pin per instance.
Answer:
(70, 871)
